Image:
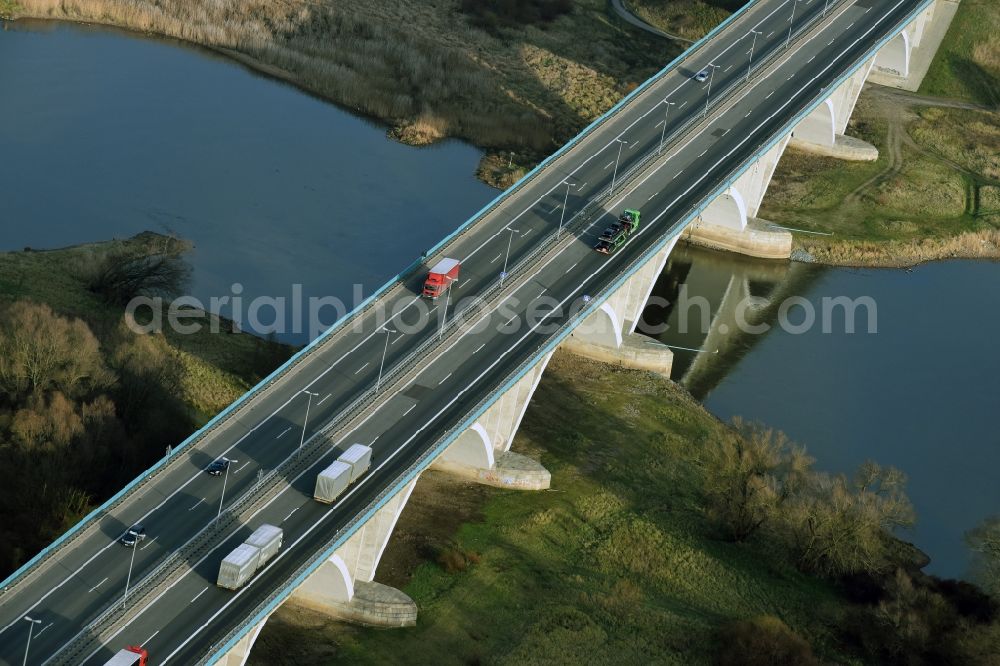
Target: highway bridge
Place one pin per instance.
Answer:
(446, 383)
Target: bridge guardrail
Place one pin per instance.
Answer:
(41, 558)
(267, 606)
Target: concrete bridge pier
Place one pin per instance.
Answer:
(822, 131)
(608, 334)
(343, 586)
(239, 653)
(482, 453)
(730, 222)
(903, 62)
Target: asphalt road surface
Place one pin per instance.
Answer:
(402, 422)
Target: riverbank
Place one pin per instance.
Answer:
(933, 193)
(524, 81)
(620, 562)
(85, 403)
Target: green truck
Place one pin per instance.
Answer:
(615, 235)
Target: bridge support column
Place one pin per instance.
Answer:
(822, 131)
(903, 62)
(730, 222)
(238, 654)
(482, 453)
(343, 587)
(608, 334)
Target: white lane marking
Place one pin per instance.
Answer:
(479, 348)
(496, 258)
(397, 339)
(830, 43)
(653, 196)
(409, 410)
(769, 95)
(416, 298)
(769, 34)
(43, 629)
(444, 379)
(608, 165)
(241, 467)
(541, 293)
(98, 585)
(581, 186)
(376, 438)
(748, 113)
(791, 76)
(145, 642)
(324, 399)
(195, 598)
(196, 504)
(810, 59)
(284, 432)
(362, 367)
(702, 154)
(683, 104)
(727, 69)
(149, 543)
(292, 512)
(659, 123)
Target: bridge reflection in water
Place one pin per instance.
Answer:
(718, 303)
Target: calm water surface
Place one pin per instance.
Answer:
(922, 394)
(104, 134)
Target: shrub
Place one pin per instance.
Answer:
(762, 641)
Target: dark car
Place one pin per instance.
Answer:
(218, 467)
(135, 534)
(611, 232)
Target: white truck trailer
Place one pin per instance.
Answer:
(359, 457)
(267, 539)
(332, 481)
(238, 566)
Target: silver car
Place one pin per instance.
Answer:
(702, 75)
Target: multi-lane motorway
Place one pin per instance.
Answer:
(414, 408)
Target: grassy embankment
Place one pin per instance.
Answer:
(933, 193)
(689, 19)
(215, 369)
(521, 77)
(613, 565)
(618, 563)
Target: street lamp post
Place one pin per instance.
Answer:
(444, 313)
(128, 579)
(31, 628)
(503, 274)
(378, 382)
(752, 44)
(826, 5)
(791, 24)
(617, 159)
(708, 90)
(302, 437)
(224, 480)
(663, 133)
(562, 215)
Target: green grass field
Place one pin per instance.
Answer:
(218, 367)
(967, 66)
(615, 564)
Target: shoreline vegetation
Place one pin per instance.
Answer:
(644, 552)
(85, 403)
(517, 79)
(520, 81)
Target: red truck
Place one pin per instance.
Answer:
(440, 277)
(133, 655)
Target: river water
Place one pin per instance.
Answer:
(922, 393)
(105, 134)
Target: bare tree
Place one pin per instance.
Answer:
(839, 526)
(41, 351)
(985, 544)
(749, 474)
(128, 271)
